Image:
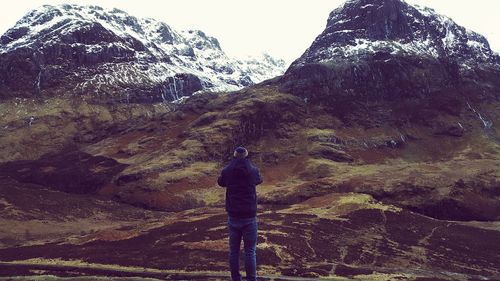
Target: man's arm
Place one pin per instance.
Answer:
(221, 181)
(258, 177)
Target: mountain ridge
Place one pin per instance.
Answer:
(106, 51)
(361, 27)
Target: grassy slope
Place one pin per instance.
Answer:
(315, 168)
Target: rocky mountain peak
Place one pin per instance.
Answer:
(383, 61)
(106, 52)
(364, 27)
(201, 41)
(378, 19)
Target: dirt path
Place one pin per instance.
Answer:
(8, 270)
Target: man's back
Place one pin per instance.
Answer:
(240, 178)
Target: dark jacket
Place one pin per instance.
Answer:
(240, 178)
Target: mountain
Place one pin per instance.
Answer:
(377, 165)
(83, 50)
(360, 28)
(418, 62)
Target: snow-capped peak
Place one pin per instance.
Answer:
(108, 50)
(364, 27)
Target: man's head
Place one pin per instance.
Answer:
(240, 152)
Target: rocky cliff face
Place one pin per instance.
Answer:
(80, 50)
(361, 28)
(408, 61)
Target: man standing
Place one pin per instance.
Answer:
(240, 178)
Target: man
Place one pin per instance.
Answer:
(240, 178)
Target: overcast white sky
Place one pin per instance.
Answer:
(282, 28)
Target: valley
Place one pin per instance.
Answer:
(379, 164)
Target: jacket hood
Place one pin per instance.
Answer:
(241, 166)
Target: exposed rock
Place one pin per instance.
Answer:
(454, 130)
(127, 178)
(329, 152)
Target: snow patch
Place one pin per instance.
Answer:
(367, 6)
(364, 46)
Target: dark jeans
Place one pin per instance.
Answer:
(246, 229)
